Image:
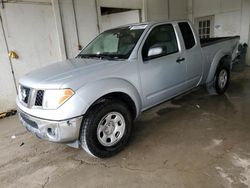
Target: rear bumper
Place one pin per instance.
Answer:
(66, 131)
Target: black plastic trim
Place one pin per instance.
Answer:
(211, 41)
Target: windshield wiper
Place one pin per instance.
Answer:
(107, 57)
(83, 56)
(100, 56)
(90, 56)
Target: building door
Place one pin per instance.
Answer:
(30, 33)
(204, 26)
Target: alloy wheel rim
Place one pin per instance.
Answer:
(223, 78)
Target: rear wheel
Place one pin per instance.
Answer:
(106, 128)
(221, 81)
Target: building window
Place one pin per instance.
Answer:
(204, 26)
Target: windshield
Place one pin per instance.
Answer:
(114, 44)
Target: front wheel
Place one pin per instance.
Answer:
(106, 128)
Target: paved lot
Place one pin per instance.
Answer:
(194, 141)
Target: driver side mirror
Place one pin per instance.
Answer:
(155, 51)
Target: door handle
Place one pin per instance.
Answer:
(179, 60)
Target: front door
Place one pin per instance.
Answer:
(163, 70)
(30, 32)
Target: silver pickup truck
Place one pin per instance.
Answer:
(92, 100)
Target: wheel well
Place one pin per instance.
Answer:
(122, 97)
(226, 60)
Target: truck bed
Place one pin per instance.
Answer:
(211, 41)
(210, 47)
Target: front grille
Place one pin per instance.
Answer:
(30, 97)
(24, 94)
(39, 98)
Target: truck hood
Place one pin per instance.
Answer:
(71, 73)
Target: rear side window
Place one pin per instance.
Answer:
(187, 34)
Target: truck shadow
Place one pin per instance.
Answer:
(192, 107)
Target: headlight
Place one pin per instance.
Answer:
(53, 99)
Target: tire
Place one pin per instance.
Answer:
(221, 80)
(106, 128)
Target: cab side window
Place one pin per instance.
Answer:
(160, 42)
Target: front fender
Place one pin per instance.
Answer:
(93, 91)
(219, 55)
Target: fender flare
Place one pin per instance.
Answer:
(216, 61)
(93, 91)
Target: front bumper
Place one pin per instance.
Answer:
(66, 131)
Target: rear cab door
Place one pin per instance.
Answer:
(192, 54)
(162, 64)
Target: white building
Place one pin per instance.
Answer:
(41, 32)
